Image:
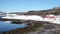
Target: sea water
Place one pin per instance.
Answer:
(7, 26)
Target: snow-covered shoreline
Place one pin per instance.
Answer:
(55, 19)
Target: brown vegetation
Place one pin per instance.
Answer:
(24, 30)
(38, 28)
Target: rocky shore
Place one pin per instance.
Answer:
(38, 28)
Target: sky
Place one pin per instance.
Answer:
(27, 5)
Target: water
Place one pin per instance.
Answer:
(7, 26)
(1, 16)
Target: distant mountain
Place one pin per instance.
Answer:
(2, 13)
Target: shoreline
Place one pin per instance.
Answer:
(38, 28)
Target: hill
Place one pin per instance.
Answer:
(55, 11)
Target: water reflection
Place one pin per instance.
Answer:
(7, 25)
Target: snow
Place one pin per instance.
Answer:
(55, 20)
(34, 17)
(30, 17)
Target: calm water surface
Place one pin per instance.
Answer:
(6, 26)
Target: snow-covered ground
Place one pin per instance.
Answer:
(55, 20)
(25, 17)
